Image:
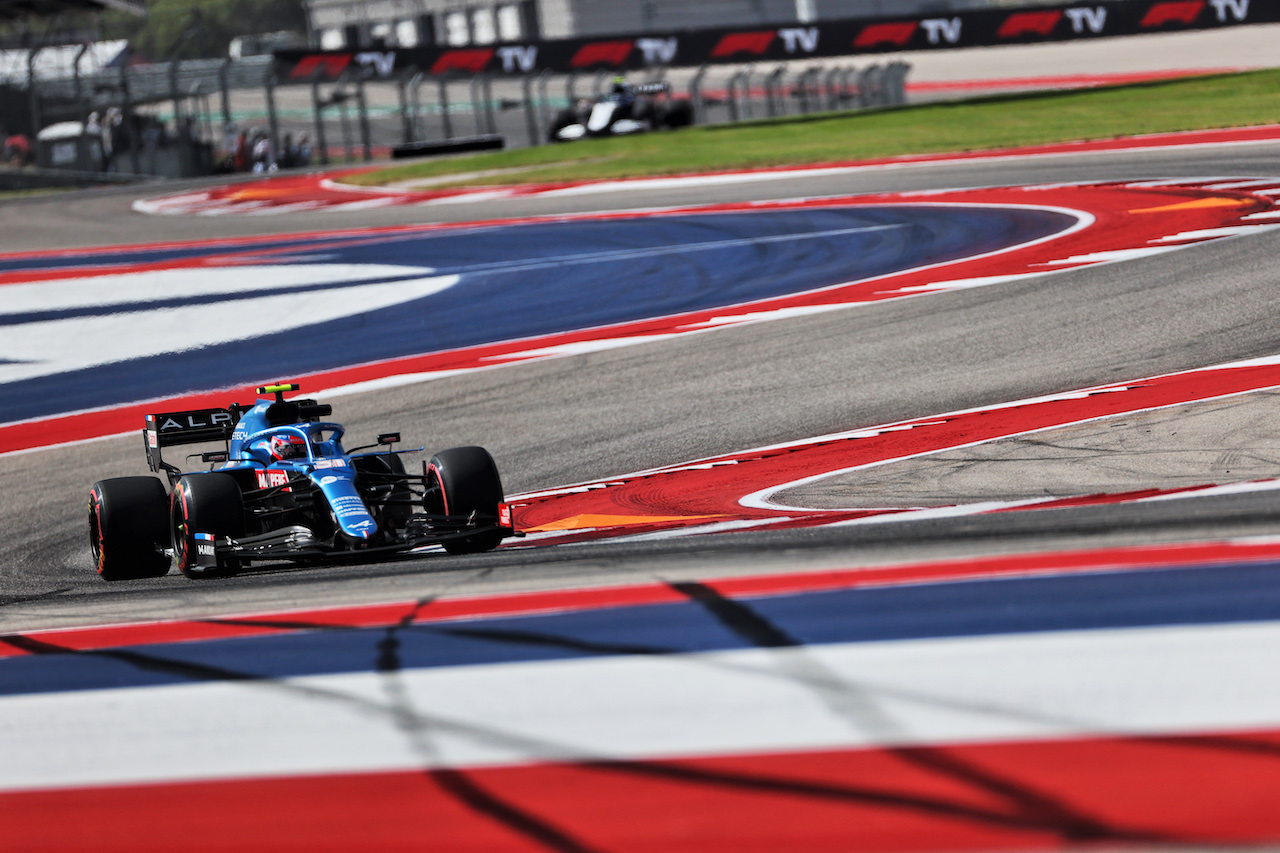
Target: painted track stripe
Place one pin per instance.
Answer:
(562, 601)
(1161, 791)
(1147, 681)
(1088, 242)
(742, 485)
(701, 621)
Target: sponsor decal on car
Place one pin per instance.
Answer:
(195, 420)
(205, 544)
(271, 478)
(346, 506)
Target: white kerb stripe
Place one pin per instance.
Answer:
(949, 691)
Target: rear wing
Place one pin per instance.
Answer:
(197, 426)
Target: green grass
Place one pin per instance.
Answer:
(1228, 100)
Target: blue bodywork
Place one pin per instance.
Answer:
(305, 497)
(326, 464)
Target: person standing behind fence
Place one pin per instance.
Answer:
(264, 159)
(288, 152)
(241, 156)
(111, 122)
(303, 155)
(92, 130)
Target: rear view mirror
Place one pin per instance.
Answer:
(389, 438)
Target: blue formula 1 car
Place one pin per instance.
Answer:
(285, 489)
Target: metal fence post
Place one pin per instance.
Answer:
(530, 119)
(544, 99)
(774, 97)
(224, 86)
(477, 95)
(695, 94)
(33, 90)
(443, 84)
(127, 121)
(402, 95)
(273, 120)
(489, 118)
(363, 106)
(322, 146)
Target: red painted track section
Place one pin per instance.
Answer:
(1117, 221)
(326, 190)
(562, 601)
(1202, 789)
(1155, 790)
(716, 490)
(1110, 788)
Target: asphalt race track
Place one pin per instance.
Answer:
(609, 412)
(887, 374)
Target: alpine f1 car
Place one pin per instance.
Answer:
(284, 488)
(625, 109)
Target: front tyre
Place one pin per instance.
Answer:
(464, 481)
(128, 528)
(205, 503)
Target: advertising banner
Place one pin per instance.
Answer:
(1063, 22)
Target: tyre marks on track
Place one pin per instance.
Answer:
(1112, 222)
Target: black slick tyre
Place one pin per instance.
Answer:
(677, 114)
(128, 528)
(205, 503)
(563, 119)
(463, 481)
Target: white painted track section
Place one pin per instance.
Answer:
(114, 317)
(945, 691)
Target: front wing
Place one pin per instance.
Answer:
(295, 542)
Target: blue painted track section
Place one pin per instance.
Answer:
(521, 281)
(705, 622)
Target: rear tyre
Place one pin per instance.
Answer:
(128, 528)
(678, 114)
(464, 481)
(205, 503)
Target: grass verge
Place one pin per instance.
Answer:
(1227, 100)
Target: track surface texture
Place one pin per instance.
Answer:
(1096, 678)
(605, 413)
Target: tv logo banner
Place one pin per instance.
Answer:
(988, 27)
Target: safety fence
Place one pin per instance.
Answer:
(193, 117)
(305, 106)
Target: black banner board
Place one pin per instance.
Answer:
(985, 28)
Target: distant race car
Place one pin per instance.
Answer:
(284, 488)
(625, 109)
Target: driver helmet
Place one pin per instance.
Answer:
(288, 447)
(620, 85)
